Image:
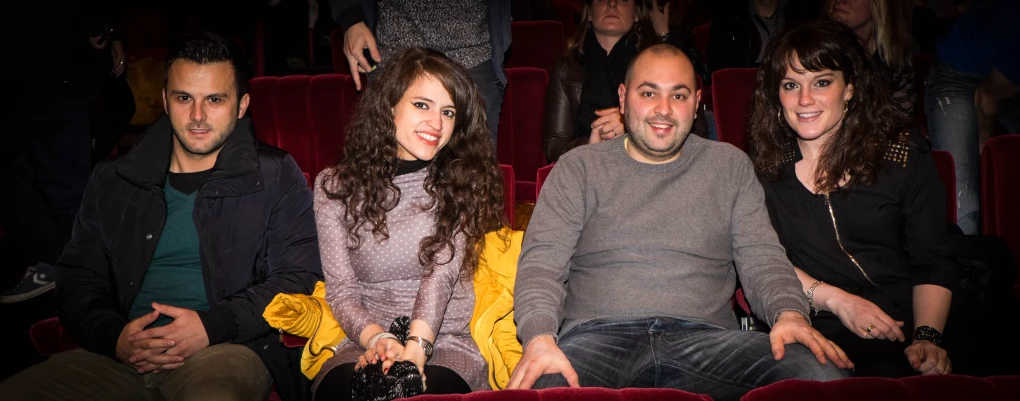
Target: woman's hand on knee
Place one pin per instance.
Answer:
(866, 319)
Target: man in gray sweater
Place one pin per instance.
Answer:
(633, 252)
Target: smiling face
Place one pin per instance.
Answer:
(659, 102)
(424, 118)
(813, 101)
(201, 100)
(613, 17)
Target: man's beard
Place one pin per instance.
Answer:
(641, 139)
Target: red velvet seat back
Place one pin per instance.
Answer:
(520, 127)
(732, 90)
(304, 115)
(571, 394)
(915, 388)
(508, 192)
(1000, 189)
(947, 172)
(536, 44)
(701, 36)
(567, 12)
(49, 337)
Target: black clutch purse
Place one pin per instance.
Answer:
(403, 379)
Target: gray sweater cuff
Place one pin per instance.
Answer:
(535, 326)
(784, 304)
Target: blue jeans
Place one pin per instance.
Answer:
(672, 353)
(952, 123)
(492, 93)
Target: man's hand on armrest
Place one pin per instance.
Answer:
(542, 357)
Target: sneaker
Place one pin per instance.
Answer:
(37, 281)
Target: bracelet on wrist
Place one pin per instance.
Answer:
(811, 296)
(927, 333)
(377, 337)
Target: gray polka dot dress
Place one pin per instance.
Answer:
(380, 281)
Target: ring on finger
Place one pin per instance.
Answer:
(870, 328)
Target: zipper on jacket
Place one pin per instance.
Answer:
(840, 242)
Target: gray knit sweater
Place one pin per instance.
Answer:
(613, 238)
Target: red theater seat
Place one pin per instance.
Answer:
(732, 90)
(568, 12)
(336, 44)
(701, 35)
(1000, 190)
(304, 115)
(571, 394)
(520, 127)
(509, 199)
(536, 44)
(915, 388)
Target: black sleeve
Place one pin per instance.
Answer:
(294, 264)
(86, 303)
(927, 241)
(347, 13)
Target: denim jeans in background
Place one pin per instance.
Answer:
(673, 353)
(952, 124)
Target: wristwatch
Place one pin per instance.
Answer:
(425, 345)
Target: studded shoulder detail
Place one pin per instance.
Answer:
(898, 149)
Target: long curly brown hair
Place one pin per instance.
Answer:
(464, 180)
(856, 149)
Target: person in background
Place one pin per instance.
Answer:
(883, 27)
(973, 85)
(582, 106)
(475, 34)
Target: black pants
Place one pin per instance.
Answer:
(45, 157)
(336, 386)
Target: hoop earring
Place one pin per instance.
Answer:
(846, 107)
(779, 115)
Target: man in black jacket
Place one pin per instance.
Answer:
(177, 249)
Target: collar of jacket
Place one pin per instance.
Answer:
(234, 174)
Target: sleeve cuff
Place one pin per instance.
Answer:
(536, 326)
(796, 304)
(109, 337)
(350, 17)
(219, 324)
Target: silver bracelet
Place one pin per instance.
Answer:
(811, 295)
(377, 337)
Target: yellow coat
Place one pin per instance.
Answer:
(492, 322)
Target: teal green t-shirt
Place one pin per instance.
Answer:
(175, 274)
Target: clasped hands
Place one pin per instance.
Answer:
(165, 347)
(390, 351)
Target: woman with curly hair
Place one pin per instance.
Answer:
(401, 220)
(855, 199)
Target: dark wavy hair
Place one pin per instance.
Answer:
(856, 149)
(464, 180)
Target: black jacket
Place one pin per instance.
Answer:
(256, 232)
(734, 41)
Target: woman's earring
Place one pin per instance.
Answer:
(779, 115)
(846, 106)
